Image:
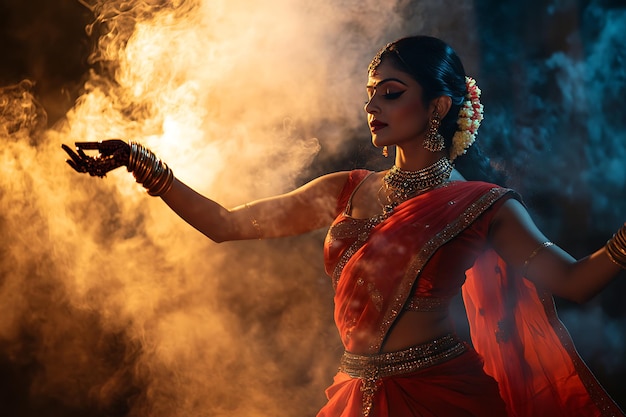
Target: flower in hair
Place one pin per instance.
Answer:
(470, 116)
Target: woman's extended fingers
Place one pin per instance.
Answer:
(103, 145)
(112, 154)
(76, 160)
(88, 145)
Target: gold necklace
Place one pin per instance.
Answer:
(399, 185)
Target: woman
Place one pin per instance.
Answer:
(399, 247)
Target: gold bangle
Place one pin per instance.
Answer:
(620, 239)
(613, 259)
(140, 168)
(164, 184)
(615, 247)
(149, 170)
(155, 173)
(534, 253)
(131, 157)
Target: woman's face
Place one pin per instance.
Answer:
(395, 111)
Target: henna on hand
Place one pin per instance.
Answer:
(113, 153)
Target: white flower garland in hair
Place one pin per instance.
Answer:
(470, 116)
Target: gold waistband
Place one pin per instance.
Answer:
(373, 367)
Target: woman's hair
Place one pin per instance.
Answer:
(439, 71)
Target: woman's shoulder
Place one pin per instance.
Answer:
(342, 184)
(344, 179)
(334, 183)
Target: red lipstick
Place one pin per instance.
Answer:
(376, 125)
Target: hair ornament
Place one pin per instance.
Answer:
(470, 116)
(378, 58)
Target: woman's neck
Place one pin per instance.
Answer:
(415, 160)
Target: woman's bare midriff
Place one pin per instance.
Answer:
(414, 328)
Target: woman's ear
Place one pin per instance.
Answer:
(442, 104)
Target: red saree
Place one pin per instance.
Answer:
(376, 266)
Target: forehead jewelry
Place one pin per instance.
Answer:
(391, 48)
(377, 59)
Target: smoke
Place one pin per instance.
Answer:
(113, 306)
(557, 107)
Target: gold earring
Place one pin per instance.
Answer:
(385, 151)
(434, 142)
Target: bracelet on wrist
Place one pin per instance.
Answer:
(149, 171)
(616, 247)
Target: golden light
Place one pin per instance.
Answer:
(129, 305)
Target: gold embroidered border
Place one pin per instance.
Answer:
(427, 303)
(359, 227)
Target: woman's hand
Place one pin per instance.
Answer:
(113, 153)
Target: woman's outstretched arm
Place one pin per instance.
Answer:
(521, 244)
(307, 208)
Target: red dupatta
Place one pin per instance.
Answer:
(526, 348)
